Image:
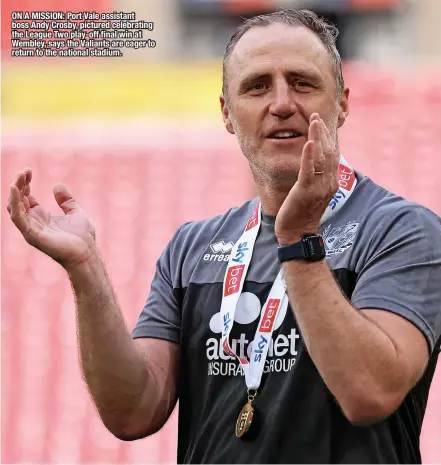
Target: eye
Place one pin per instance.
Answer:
(258, 86)
(302, 85)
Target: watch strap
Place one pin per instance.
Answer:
(298, 250)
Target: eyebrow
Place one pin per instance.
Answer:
(299, 73)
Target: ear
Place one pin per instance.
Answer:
(344, 107)
(226, 115)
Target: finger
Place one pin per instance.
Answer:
(307, 170)
(26, 204)
(64, 198)
(329, 138)
(18, 215)
(325, 137)
(329, 151)
(28, 175)
(26, 190)
(33, 202)
(332, 156)
(20, 181)
(315, 135)
(314, 117)
(24, 178)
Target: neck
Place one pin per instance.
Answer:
(272, 195)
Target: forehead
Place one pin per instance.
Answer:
(279, 46)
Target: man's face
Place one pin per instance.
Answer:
(277, 77)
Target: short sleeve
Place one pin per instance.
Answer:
(161, 315)
(402, 271)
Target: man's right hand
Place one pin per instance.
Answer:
(69, 239)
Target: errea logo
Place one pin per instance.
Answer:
(221, 252)
(221, 246)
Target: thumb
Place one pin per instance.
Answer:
(64, 198)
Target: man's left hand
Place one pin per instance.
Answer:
(306, 203)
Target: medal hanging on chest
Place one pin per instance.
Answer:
(246, 416)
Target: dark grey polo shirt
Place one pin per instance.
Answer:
(385, 253)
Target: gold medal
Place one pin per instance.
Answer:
(245, 417)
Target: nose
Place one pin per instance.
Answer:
(283, 103)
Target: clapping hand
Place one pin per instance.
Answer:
(68, 238)
(317, 183)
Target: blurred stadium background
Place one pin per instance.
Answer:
(140, 142)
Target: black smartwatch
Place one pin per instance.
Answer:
(310, 248)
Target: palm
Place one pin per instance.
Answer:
(64, 237)
(68, 238)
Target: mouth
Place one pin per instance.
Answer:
(284, 135)
(287, 139)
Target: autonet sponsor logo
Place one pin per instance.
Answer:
(281, 355)
(282, 348)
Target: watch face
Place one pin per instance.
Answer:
(314, 247)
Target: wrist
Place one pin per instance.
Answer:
(292, 237)
(88, 277)
(308, 247)
(87, 262)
